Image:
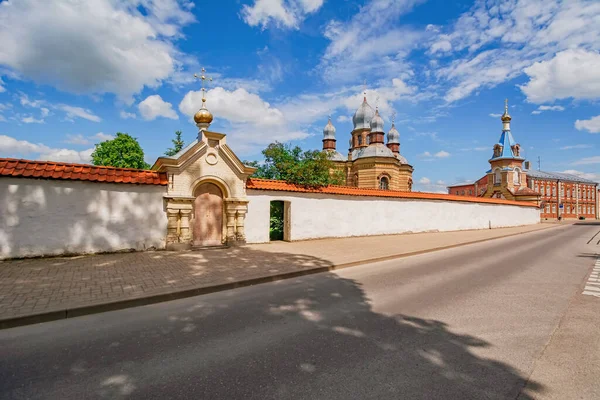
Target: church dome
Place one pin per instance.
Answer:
(203, 116)
(329, 131)
(378, 150)
(377, 123)
(363, 116)
(393, 136)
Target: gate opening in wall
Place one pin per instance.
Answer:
(277, 220)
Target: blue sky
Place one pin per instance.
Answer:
(72, 73)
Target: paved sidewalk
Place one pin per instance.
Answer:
(34, 290)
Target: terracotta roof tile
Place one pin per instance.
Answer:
(79, 172)
(268, 184)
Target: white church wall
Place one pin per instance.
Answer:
(323, 215)
(51, 217)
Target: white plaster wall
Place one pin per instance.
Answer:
(319, 216)
(49, 217)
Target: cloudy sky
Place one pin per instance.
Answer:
(72, 73)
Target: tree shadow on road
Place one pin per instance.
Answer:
(315, 337)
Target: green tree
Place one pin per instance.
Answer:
(123, 151)
(178, 144)
(291, 164)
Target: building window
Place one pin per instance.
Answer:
(554, 191)
(547, 208)
(553, 208)
(497, 177)
(384, 183)
(542, 191)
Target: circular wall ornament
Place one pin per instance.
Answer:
(211, 158)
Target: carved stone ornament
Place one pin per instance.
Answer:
(498, 150)
(516, 150)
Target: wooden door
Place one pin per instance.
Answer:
(208, 215)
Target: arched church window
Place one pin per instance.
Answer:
(517, 176)
(359, 140)
(384, 183)
(497, 176)
(356, 180)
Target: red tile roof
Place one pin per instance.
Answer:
(268, 184)
(79, 172)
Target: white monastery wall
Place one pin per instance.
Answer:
(50, 217)
(322, 215)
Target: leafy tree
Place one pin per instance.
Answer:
(178, 144)
(123, 151)
(291, 164)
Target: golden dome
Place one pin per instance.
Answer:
(203, 116)
(506, 117)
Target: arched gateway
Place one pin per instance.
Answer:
(206, 199)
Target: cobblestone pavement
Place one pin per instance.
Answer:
(35, 286)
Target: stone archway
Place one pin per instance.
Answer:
(207, 223)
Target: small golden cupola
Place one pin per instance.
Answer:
(203, 117)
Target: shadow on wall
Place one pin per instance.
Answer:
(315, 337)
(45, 217)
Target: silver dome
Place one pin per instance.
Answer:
(402, 159)
(376, 150)
(363, 116)
(329, 131)
(377, 123)
(393, 136)
(336, 156)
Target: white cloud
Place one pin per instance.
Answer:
(31, 120)
(495, 115)
(591, 125)
(100, 46)
(442, 154)
(497, 40)
(78, 112)
(11, 147)
(547, 108)
(585, 175)
(253, 121)
(361, 47)
(78, 139)
(281, 13)
(154, 106)
(127, 115)
(551, 108)
(571, 73)
(577, 146)
(588, 161)
(2, 88)
(71, 112)
(425, 154)
(103, 136)
(343, 118)
(426, 185)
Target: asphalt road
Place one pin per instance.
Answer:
(503, 319)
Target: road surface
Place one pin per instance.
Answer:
(503, 319)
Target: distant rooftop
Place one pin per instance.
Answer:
(558, 176)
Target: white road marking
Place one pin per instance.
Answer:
(592, 286)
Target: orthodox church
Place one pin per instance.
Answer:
(558, 194)
(370, 162)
